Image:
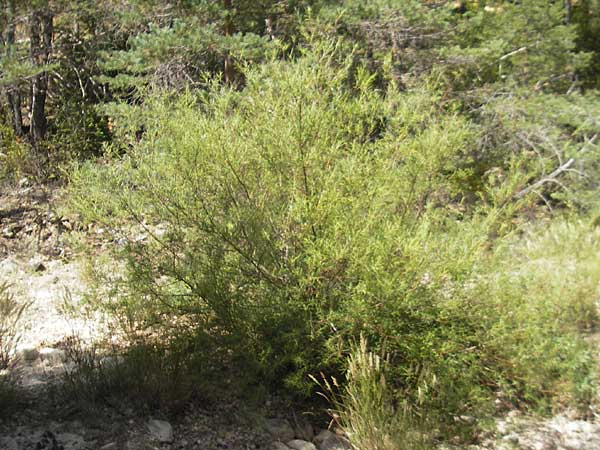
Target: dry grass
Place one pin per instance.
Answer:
(11, 312)
(367, 412)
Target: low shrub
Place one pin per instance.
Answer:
(15, 155)
(544, 289)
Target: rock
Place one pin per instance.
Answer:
(140, 443)
(8, 443)
(37, 265)
(322, 435)
(52, 355)
(465, 419)
(161, 430)
(142, 237)
(299, 444)
(27, 353)
(502, 427)
(48, 442)
(576, 434)
(303, 429)
(9, 266)
(280, 429)
(512, 437)
(513, 414)
(71, 441)
(277, 445)
(326, 440)
(559, 433)
(109, 446)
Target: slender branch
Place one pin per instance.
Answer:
(551, 178)
(515, 52)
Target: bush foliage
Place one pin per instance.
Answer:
(278, 224)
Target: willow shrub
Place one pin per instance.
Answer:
(277, 224)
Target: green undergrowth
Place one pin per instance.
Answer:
(11, 312)
(546, 291)
(277, 225)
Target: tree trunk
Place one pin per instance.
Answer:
(228, 70)
(12, 94)
(41, 29)
(568, 11)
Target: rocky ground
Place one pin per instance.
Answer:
(39, 265)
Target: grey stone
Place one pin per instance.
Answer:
(8, 443)
(277, 445)
(52, 355)
(9, 266)
(71, 441)
(27, 353)
(513, 437)
(513, 414)
(561, 432)
(139, 443)
(161, 430)
(299, 444)
(322, 435)
(303, 429)
(280, 429)
(109, 446)
(37, 265)
(326, 440)
(502, 427)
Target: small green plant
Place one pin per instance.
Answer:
(15, 155)
(544, 292)
(11, 312)
(368, 410)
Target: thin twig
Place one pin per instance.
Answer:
(551, 178)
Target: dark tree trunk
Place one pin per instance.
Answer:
(12, 94)
(228, 70)
(41, 29)
(14, 103)
(568, 11)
